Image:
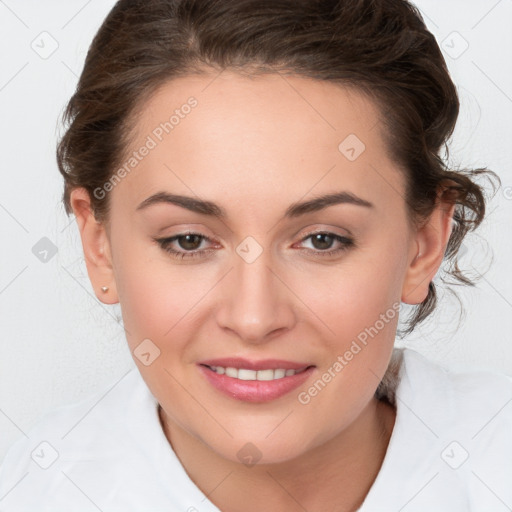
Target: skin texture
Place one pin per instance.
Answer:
(255, 146)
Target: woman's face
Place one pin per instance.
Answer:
(254, 288)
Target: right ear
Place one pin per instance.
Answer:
(96, 247)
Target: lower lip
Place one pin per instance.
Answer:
(255, 390)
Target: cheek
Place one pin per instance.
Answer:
(351, 295)
(163, 301)
(152, 294)
(359, 303)
(154, 302)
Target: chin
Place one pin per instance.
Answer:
(252, 450)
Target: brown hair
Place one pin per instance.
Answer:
(380, 47)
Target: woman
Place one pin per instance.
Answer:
(259, 185)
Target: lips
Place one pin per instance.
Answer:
(254, 381)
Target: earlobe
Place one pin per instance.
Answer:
(96, 247)
(427, 253)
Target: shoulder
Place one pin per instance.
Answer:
(72, 441)
(475, 392)
(472, 403)
(462, 422)
(451, 445)
(107, 452)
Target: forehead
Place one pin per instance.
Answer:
(259, 135)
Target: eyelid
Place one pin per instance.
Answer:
(323, 228)
(172, 238)
(312, 231)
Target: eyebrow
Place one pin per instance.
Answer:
(294, 210)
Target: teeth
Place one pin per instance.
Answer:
(232, 372)
(265, 375)
(245, 374)
(279, 374)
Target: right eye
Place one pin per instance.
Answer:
(189, 243)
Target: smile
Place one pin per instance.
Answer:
(246, 374)
(254, 381)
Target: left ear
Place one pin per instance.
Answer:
(431, 240)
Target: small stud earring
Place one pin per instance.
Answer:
(104, 289)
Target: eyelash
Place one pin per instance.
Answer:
(164, 243)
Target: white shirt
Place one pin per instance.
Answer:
(450, 450)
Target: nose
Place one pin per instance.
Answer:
(257, 304)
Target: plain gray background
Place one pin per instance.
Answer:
(59, 343)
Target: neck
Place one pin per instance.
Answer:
(336, 475)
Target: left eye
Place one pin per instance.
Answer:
(190, 243)
(324, 240)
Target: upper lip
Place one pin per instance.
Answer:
(264, 364)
